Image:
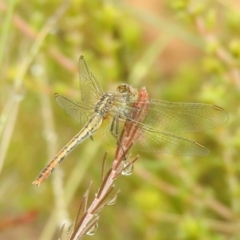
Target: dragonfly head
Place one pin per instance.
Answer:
(128, 91)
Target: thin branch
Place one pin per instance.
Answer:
(17, 91)
(129, 135)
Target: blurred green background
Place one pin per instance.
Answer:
(185, 51)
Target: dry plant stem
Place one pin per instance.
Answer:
(26, 29)
(128, 136)
(16, 95)
(103, 166)
(71, 186)
(194, 199)
(6, 25)
(50, 136)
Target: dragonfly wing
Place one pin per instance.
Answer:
(90, 88)
(78, 111)
(174, 118)
(150, 140)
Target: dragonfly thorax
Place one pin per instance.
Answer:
(104, 104)
(128, 92)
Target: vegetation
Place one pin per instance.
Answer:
(183, 51)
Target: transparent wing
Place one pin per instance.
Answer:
(78, 111)
(150, 140)
(90, 88)
(174, 118)
(163, 120)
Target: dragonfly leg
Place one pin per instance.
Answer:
(115, 126)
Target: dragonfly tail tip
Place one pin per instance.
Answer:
(36, 182)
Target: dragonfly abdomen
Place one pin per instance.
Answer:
(88, 129)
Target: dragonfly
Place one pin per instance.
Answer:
(108, 111)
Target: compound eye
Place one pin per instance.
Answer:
(122, 88)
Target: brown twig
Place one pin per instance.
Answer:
(88, 217)
(17, 94)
